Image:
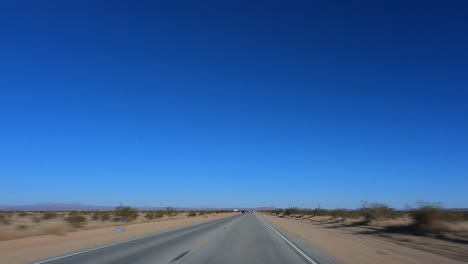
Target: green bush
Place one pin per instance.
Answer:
(76, 220)
(126, 213)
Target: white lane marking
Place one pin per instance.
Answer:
(289, 242)
(122, 242)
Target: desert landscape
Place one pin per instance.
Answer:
(234, 132)
(377, 233)
(27, 236)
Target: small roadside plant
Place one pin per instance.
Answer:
(291, 210)
(95, 216)
(21, 227)
(377, 211)
(126, 213)
(4, 219)
(192, 214)
(49, 215)
(171, 211)
(105, 216)
(76, 220)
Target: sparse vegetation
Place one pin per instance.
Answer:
(192, 214)
(125, 213)
(95, 215)
(171, 211)
(76, 220)
(426, 219)
(21, 227)
(292, 210)
(105, 216)
(23, 214)
(377, 211)
(19, 224)
(4, 219)
(49, 215)
(150, 215)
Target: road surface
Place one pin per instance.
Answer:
(243, 238)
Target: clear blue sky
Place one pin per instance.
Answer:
(209, 103)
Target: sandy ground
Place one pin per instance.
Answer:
(351, 245)
(33, 248)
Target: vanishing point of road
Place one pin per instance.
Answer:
(243, 238)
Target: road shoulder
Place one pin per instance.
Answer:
(25, 250)
(350, 248)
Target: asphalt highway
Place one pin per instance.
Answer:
(244, 238)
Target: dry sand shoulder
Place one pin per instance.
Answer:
(29, 249)
(350, 246)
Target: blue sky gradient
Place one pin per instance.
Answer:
(225, 104)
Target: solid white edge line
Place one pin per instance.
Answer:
(289, 242)
(122, 242)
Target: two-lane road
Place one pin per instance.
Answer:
(239, 239)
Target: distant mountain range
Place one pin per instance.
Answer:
(85, 207)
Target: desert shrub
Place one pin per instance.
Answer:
(159, 214)
(277, 211)
(426, 216)
(339, 213)
(291, 210)
(464, 215)
(319, 212)
(171, 211)
(76, 220)
(149, 215)
(36, 219)
(105, 216)
(4, 219)
(191, 214)
(75, 213)
(154, 214)
(49, 215)
(126, 213)
(21, 227)
(23, 214)
(377, 211)
(95, 216)
(202, 213)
